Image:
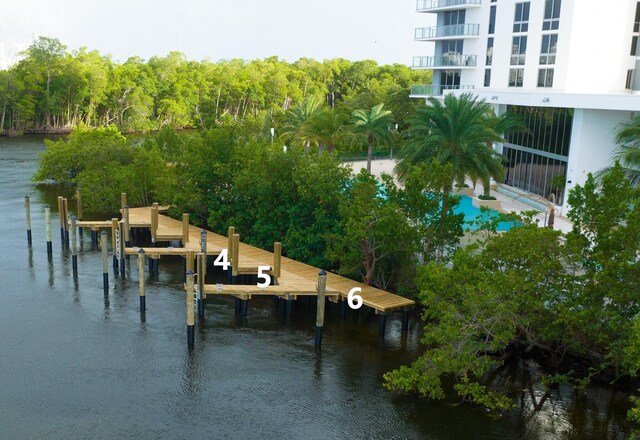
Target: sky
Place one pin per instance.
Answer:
(219, 29)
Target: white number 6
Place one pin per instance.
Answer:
(355, 301)
(265, 276)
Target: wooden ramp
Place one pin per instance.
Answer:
(295, 278)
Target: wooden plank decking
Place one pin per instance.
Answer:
(295, 278)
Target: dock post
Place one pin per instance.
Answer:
(114, 243)
(121, 248)
(61, 218)
(143, 302)
(322, 286)
(123, 202)
(154, 223)
(201, 274)
(47, 226)
(94, 236)
(105, 262)
(236, 258)
(190, 310)
(74, 250)
(65, 208)
(185, 229)
(277, 256)
(230, 231)
(405, 320)
(127, 239)
(203, 248)
(79, 210)
(382, 323)
(27, 207)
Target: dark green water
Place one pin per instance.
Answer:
(75, 364)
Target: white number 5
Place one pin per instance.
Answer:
(265, 276)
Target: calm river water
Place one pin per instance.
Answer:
(76, 364)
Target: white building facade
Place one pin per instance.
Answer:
(569, 68)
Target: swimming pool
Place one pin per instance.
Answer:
(471, 213)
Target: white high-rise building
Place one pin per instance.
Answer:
(569, 68)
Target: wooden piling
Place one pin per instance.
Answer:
(79, 208)
(190, 310)
(277, 256)
(201, 260)
(65, 209)
(27, 207)
(125, 217)
(47, 226)
(154, 223)
(322, 287)
(190, 255)
(121, 247)
(405, 320)
(114, 243)
(203, 249)
(123, 202)
(230, 231)
(382, 323)
(185, 229)
(143, 302)
(74, 249)
(61, 218)
(105, 262)
(235, 263)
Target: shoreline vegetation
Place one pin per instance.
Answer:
(567, 301)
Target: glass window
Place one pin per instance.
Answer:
(634, 45)
(516, 77)
(518, 50)
(551, 15)
(492, 20)
(450, 79)
(548, 50)
(487, 77)
(521, 19)
(636, 21)
(489, 51)
(545, 77)
(454, 17)
(629, 81)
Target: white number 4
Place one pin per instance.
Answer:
(265, 276)
(222, 260)
(355, 301)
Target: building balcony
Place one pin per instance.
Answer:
(468, 30)
(445, 5)
(447, 61)
(428, 90)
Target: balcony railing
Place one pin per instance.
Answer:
(448, 60)
(427, 5)
(452, 30)
(420, 90)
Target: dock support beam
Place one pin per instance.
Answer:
(105, 262)
(94, 237)
(74, 247)
(65, 210)
(154, 223)
(47, 226)
(322, 286)
(114, 243)
(185, 229)
(203, 249)
(405, 320)
(277, 257)
(79, 210)
(201, 260)
(125, 218)
(61, 218)
(143, 301)
(382, 323)
(121, 248)
(190, 311)
(27, 207)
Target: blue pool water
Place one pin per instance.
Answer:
(471, 213)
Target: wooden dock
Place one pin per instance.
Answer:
(295, 278)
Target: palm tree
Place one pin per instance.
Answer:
(456, 130)
(373, 124)
(295, 120)
(327, 128)
(627, 153)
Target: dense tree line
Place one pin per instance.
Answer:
(52, 90)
